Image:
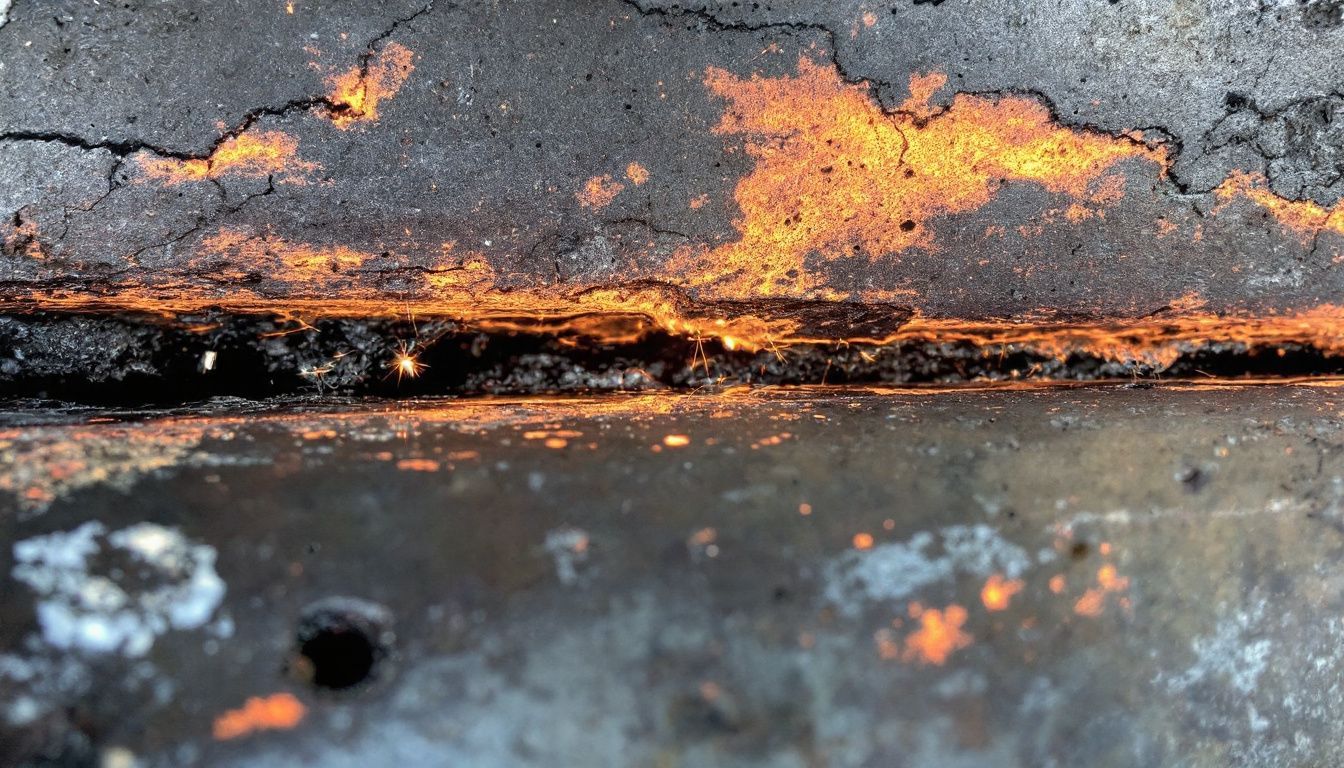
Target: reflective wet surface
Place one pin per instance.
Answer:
(1105, 575)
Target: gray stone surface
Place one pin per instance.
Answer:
(564, 584)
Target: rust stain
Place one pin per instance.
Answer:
(939, 634)
(279, 711)
(838, 178)
(358, 91)
(20, 236)
(599, 191)
(248, 155)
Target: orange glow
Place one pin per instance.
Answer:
(837, 176)
(636, 173)
(1057, 583)
(704, 537)
(248, 155)
(998, 592)
(418, 465)
(359, 90)
(676, 441)
(938, 636)
(599, 191)
(1093, 601)
(279, 711)
(804, 509)
(863, 541)
(1303, 218)
(1090, 604)
(300, 263)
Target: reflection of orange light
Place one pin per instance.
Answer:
(1090, 604)
(837, 176)
(418, 465)
(249, 155)
(359, 90)
(1057, 583)
(277, 711)
(938, 636)
(998, 592)
(1093, 601)
(863, 541)
(676, 441)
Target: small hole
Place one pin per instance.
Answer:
(340, 643)
(339, 658)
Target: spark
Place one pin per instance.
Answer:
(405, 364)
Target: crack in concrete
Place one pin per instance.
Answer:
(125, 148)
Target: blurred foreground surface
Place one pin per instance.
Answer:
(1102, 576)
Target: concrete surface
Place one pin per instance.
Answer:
(965, 160)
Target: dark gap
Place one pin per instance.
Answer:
(124, 361)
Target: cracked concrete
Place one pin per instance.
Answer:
(487, 144)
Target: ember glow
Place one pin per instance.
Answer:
(939, 634)
(359, 91)
(837, 181)
(1303, 218)
(837, 176)
(247, 155)
(998, 592)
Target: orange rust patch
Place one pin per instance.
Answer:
(837, 177)
(21, 237)
(359, 90)
(1303, 218)
(636, 173)
(939, 635)
(279, 711)
(249, 155)
(998, 592)
(599, 191)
